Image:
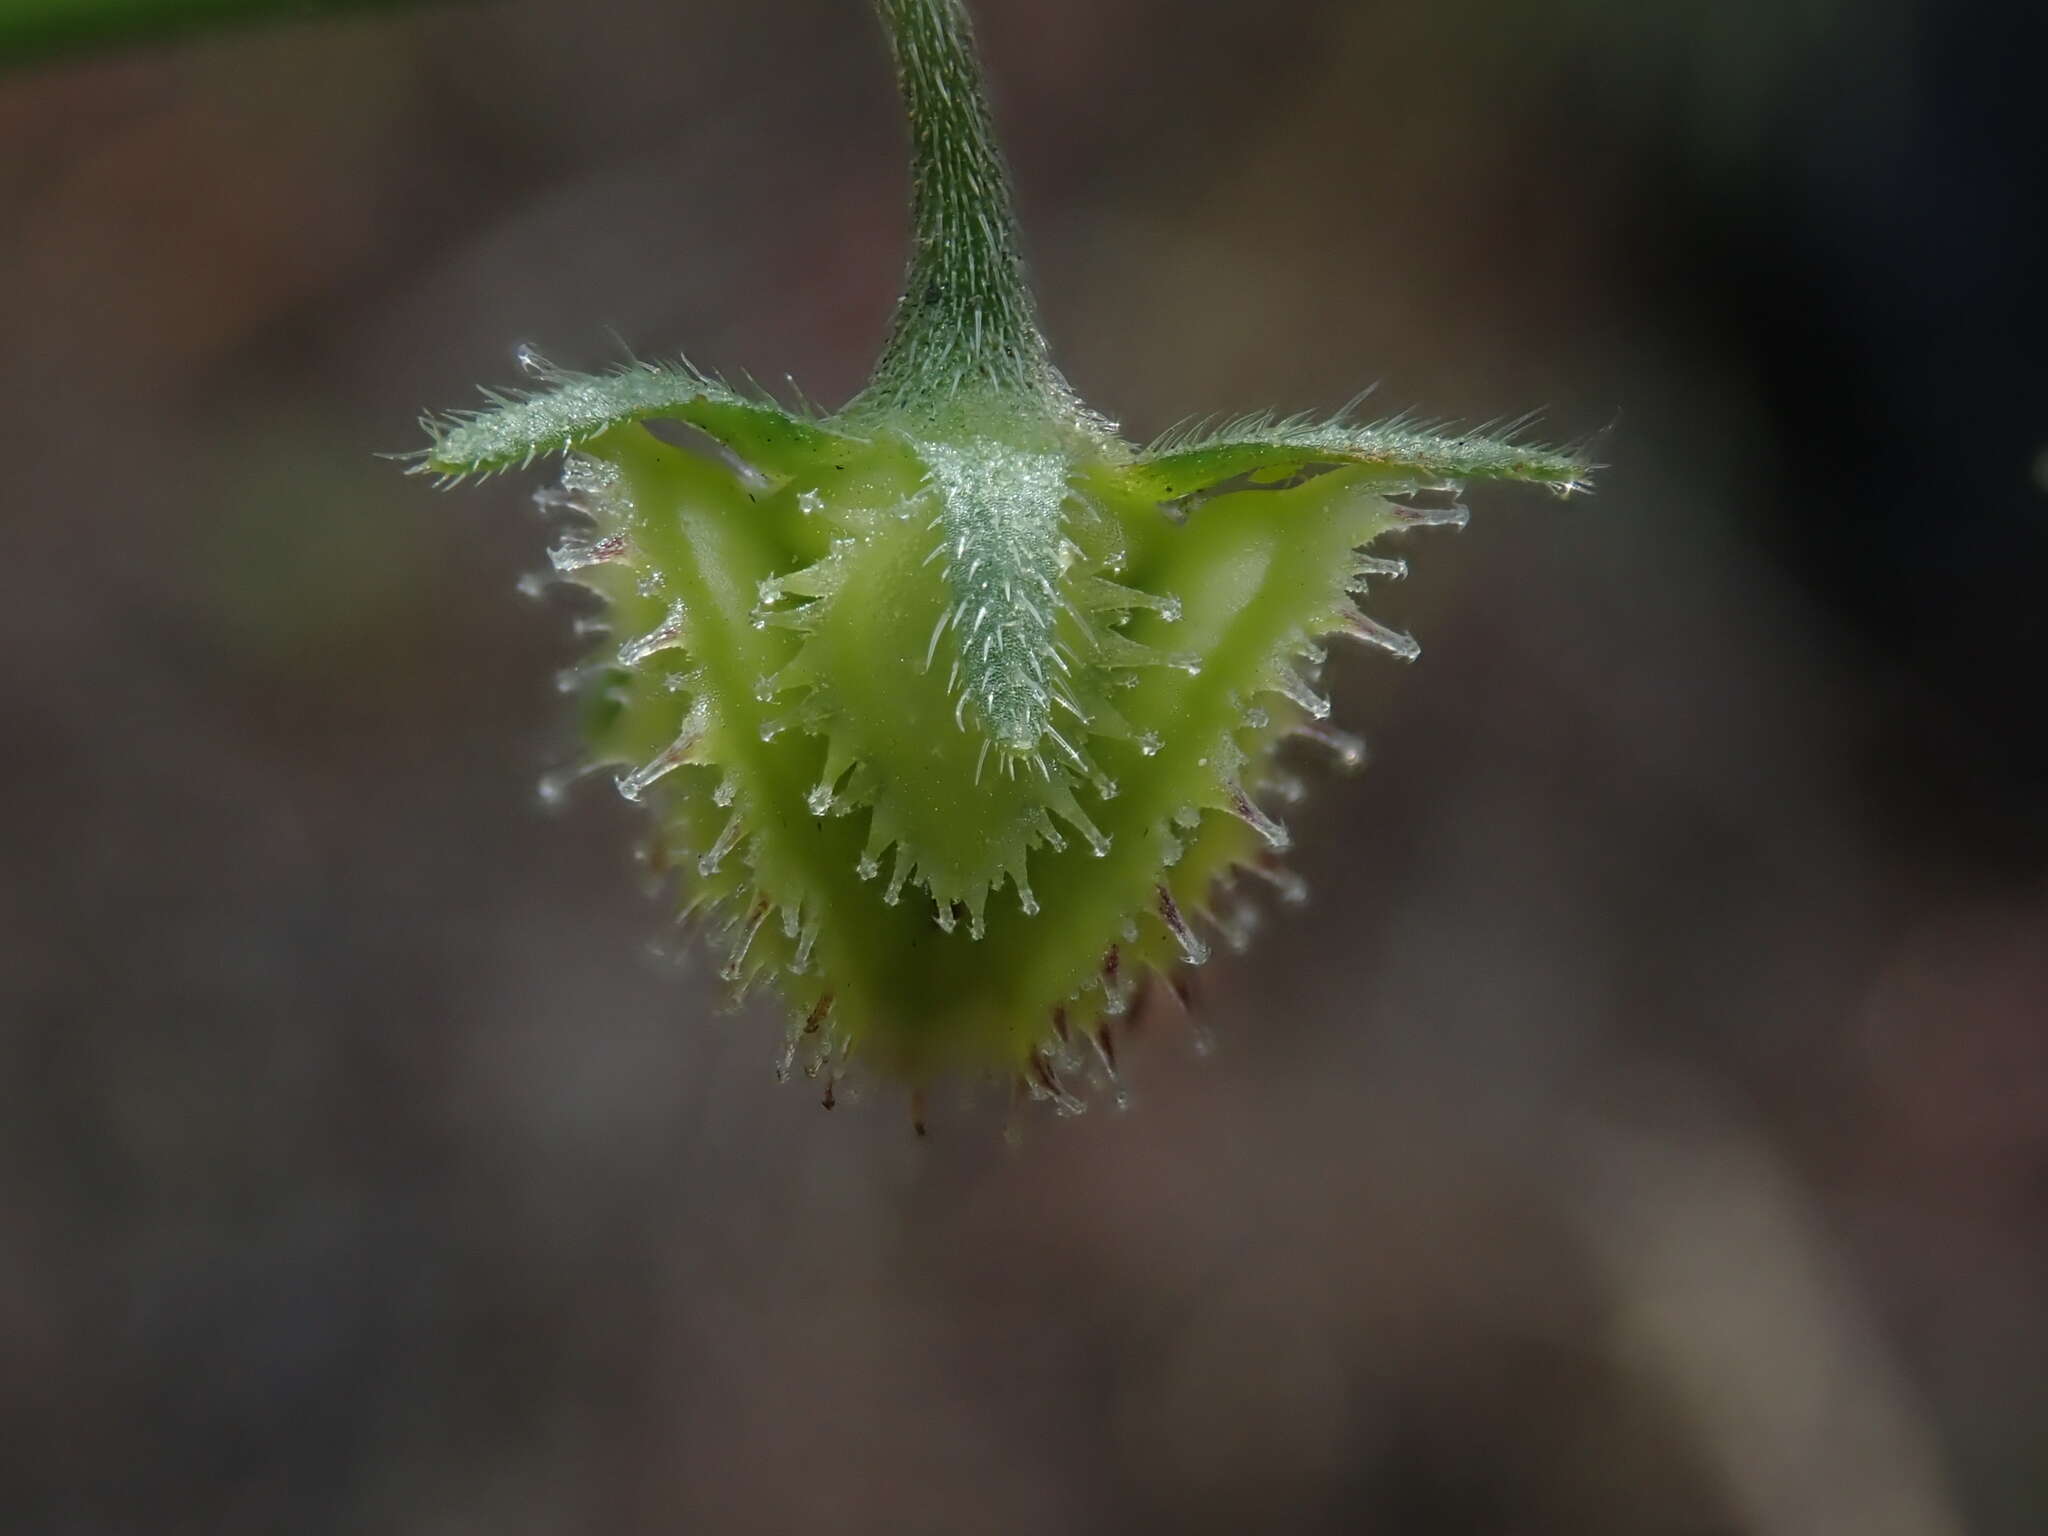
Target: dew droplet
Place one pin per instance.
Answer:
(1192, 947)
(1098, 844)
(1289, 683)
(1456, 515)
(1348, 749)
(728, 839)
(1043, 1083)
(573, 556)
(735, 965)
(1113, 999)
(1105, 1053)
(1237, 927)
(552, 788)
(1245, 810)
(801, 960)
(1292, 888)
(669, 637)
(1360, 626)
(633, 785)
(584, 475)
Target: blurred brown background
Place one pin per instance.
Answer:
(1644, 1130)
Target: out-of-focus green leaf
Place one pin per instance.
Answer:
(32, 29)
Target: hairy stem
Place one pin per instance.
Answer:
(966, 323)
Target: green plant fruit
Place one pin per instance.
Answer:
(957, 714)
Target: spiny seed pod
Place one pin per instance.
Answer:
(954, 709)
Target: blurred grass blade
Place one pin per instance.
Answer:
(33, 29)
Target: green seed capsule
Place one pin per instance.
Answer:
(955, 711)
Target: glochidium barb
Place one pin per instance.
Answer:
(957, 714)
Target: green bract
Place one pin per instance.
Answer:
(954, 709)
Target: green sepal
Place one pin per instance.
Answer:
(571, 409)
(1405, 457)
